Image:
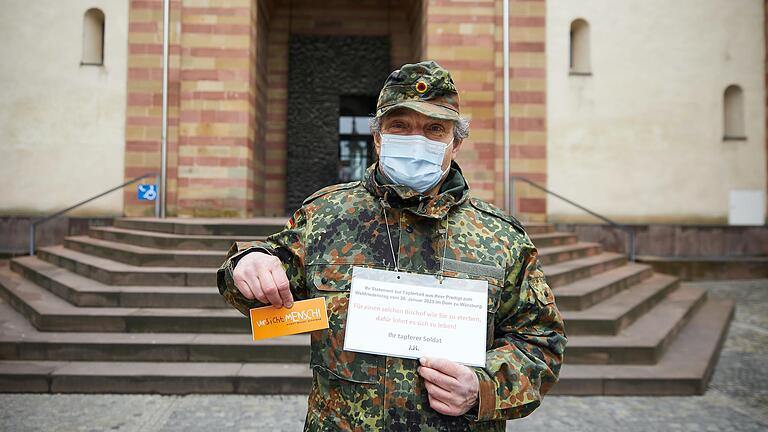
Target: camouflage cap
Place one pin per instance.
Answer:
(424, 87)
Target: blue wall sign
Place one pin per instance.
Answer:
(147, 192)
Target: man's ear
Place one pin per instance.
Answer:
(455, 148)
(377, 143)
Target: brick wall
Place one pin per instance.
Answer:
(212, 105)
(142, 124)
(217, 108)
(228, 92)
(466, 38)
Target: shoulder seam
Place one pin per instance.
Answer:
(493, 211)
(329, 189)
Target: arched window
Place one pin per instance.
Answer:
(733, 113)
(579, 48)
(93, 37)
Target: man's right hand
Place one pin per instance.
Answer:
(261, 276)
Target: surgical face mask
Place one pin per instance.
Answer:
(413, 160)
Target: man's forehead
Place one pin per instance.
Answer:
(404, 113)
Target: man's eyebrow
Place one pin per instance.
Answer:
(392, 120)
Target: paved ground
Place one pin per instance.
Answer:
(736, 401)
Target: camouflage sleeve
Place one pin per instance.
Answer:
(286, 245)
(529, 340)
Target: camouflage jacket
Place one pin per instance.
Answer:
(343, 226)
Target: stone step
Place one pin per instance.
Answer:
(19, 340)
(585, 293)
(570, 271)
(22, 341)
(553, 239)
(615, 313)
(537, 228)
(684, 369)
(159, 240)
(252, 227)
(48, 312)
(82, 291)
(568, 252)
(645, 340)
(115, 273)
(143, 256)
(154, 377)
(709, 267)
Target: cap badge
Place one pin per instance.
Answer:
(421, 87)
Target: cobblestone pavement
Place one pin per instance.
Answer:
(737, 399)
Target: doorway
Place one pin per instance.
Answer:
(333, 82)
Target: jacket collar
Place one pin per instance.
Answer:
(453, 191)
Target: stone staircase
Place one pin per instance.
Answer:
(134, 308)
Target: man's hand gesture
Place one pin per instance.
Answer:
(261, 276)
(452, 387)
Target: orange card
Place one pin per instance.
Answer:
(303, 316)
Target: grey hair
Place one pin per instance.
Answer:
(460, 127)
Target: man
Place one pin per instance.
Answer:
(413, 213)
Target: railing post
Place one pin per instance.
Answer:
(512, 201)
(157, 198)
(632, 240)
(31, 237)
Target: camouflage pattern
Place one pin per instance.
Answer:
(343, 226)
(424, 87)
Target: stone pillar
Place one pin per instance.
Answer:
(218, 156)
(216, 119)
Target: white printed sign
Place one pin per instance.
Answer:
(413, 315)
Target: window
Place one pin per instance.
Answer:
(355, 140)
(733, 114)
(579, 48)
(93, 37)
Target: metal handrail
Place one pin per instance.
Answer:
(630, 231)
(33, 227)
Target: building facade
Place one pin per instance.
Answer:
(645, 112)
(642, 125)
(63, 113)
(259, 90)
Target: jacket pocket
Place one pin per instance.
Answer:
(541, 290)
(330, 277)
(495, 286)
(333, 282)
(338, 403)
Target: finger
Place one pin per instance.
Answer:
(283, 286)
(440, 393)
(269, 288)
(440, 406)
(438, 378)
(445, 366)
(249, 278)
(256, 288)
(243, 287)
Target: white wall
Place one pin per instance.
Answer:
(62, 125)
(641, 139)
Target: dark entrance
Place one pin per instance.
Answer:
(330, 81)
(355, 140)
